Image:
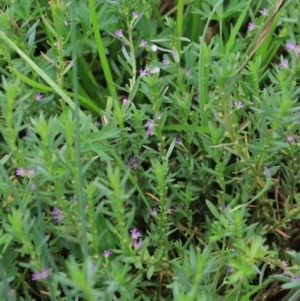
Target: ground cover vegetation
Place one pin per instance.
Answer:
(149, 150)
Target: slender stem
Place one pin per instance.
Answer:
(78, 168)
(179, 23)
(197, 23)
(132, 56)
(101, 51)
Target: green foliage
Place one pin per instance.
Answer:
(146, 164)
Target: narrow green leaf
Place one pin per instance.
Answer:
(213, 209)
(150, 272)
(126, 55)
(88, 103)
(42, 74)
(237, 27)
(125, 65)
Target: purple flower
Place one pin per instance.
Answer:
(238, 104)
(57, 215)
(290, 138)
(165, 61)
(20, 172)
(150, 126)
(143, 43)
(229, 270)
(154, 48)
(297, 50)
(251, 26)
(290, 45)
(135, 15)
(153, 212)
(143, 72)
(137, 244)
(119, 33)
(264, 11)
(26, 172)
(178, 140)
(125, 101)
(133, 163)
(135, 234)
(150, 131)
(150, 123)
(106, 253)
(38, 96)
(43, 274)
(284, 64)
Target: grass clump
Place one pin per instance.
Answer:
(149, 150)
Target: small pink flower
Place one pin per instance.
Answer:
(251, 26)
(290, 138)
(150, 126)
(135, 15)
(165, 61)
(290, 45)
(284, 64)
(264, 11)
(119, 33)
(150, 123)
(238, 104)
(106, 253)
(153, 212)
(38, 96)
(143, 72)
(137, 244)
(178, 140)
(135, 234)
(26, 172)
(143, 43)
(297, 50)
(43, 274)
(20, 172)
(125, 101)
(57, 215)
